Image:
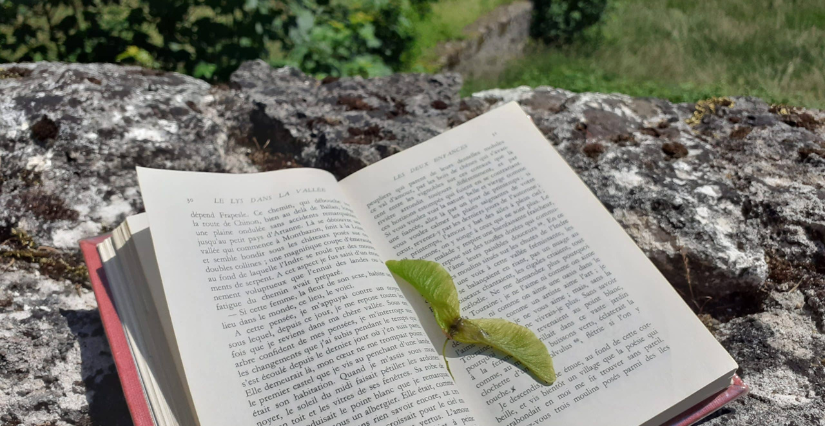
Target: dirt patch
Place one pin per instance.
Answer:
(593, 150)
(193, 106)
(650, 131)
(740, 133)
(674, 150)
(624, 139)
(354, 103)
(399, 108)
(366, 136)
(44, 205)
(439, 104)
(45, 129)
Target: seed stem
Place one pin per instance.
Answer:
(444, 354)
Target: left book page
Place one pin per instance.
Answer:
(282, 310)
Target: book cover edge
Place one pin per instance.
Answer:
(692, 415)
(121, 353)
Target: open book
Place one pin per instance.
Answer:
(263, 299)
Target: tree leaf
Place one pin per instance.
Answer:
(512, 339)
(435, 284)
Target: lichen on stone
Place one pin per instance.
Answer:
(796, 117)
(707, 107)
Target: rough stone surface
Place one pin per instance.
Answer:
(780, 353)
(726, 197)
(342, 125)
(735, 203)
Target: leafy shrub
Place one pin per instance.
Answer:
(205, 38)
(559, 21)
(345, 37)
(210, 38)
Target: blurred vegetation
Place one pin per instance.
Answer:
(561, 21)
(554, 22)
(444, 22)
(684, 50)
(210, 38)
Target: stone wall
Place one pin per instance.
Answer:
(726, 197)
(489, 43)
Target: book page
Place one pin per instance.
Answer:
(140, 238)
(526, 240)
(282, 310)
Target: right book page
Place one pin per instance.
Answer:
(526, 240)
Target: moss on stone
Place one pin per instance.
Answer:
(52, 262)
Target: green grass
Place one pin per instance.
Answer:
(445, 22)
(687, 50)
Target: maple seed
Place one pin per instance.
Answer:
(438, 288)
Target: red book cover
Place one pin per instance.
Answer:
(737, 389)
(139, 406)
(124, 362)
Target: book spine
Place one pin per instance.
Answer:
(124, 362)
